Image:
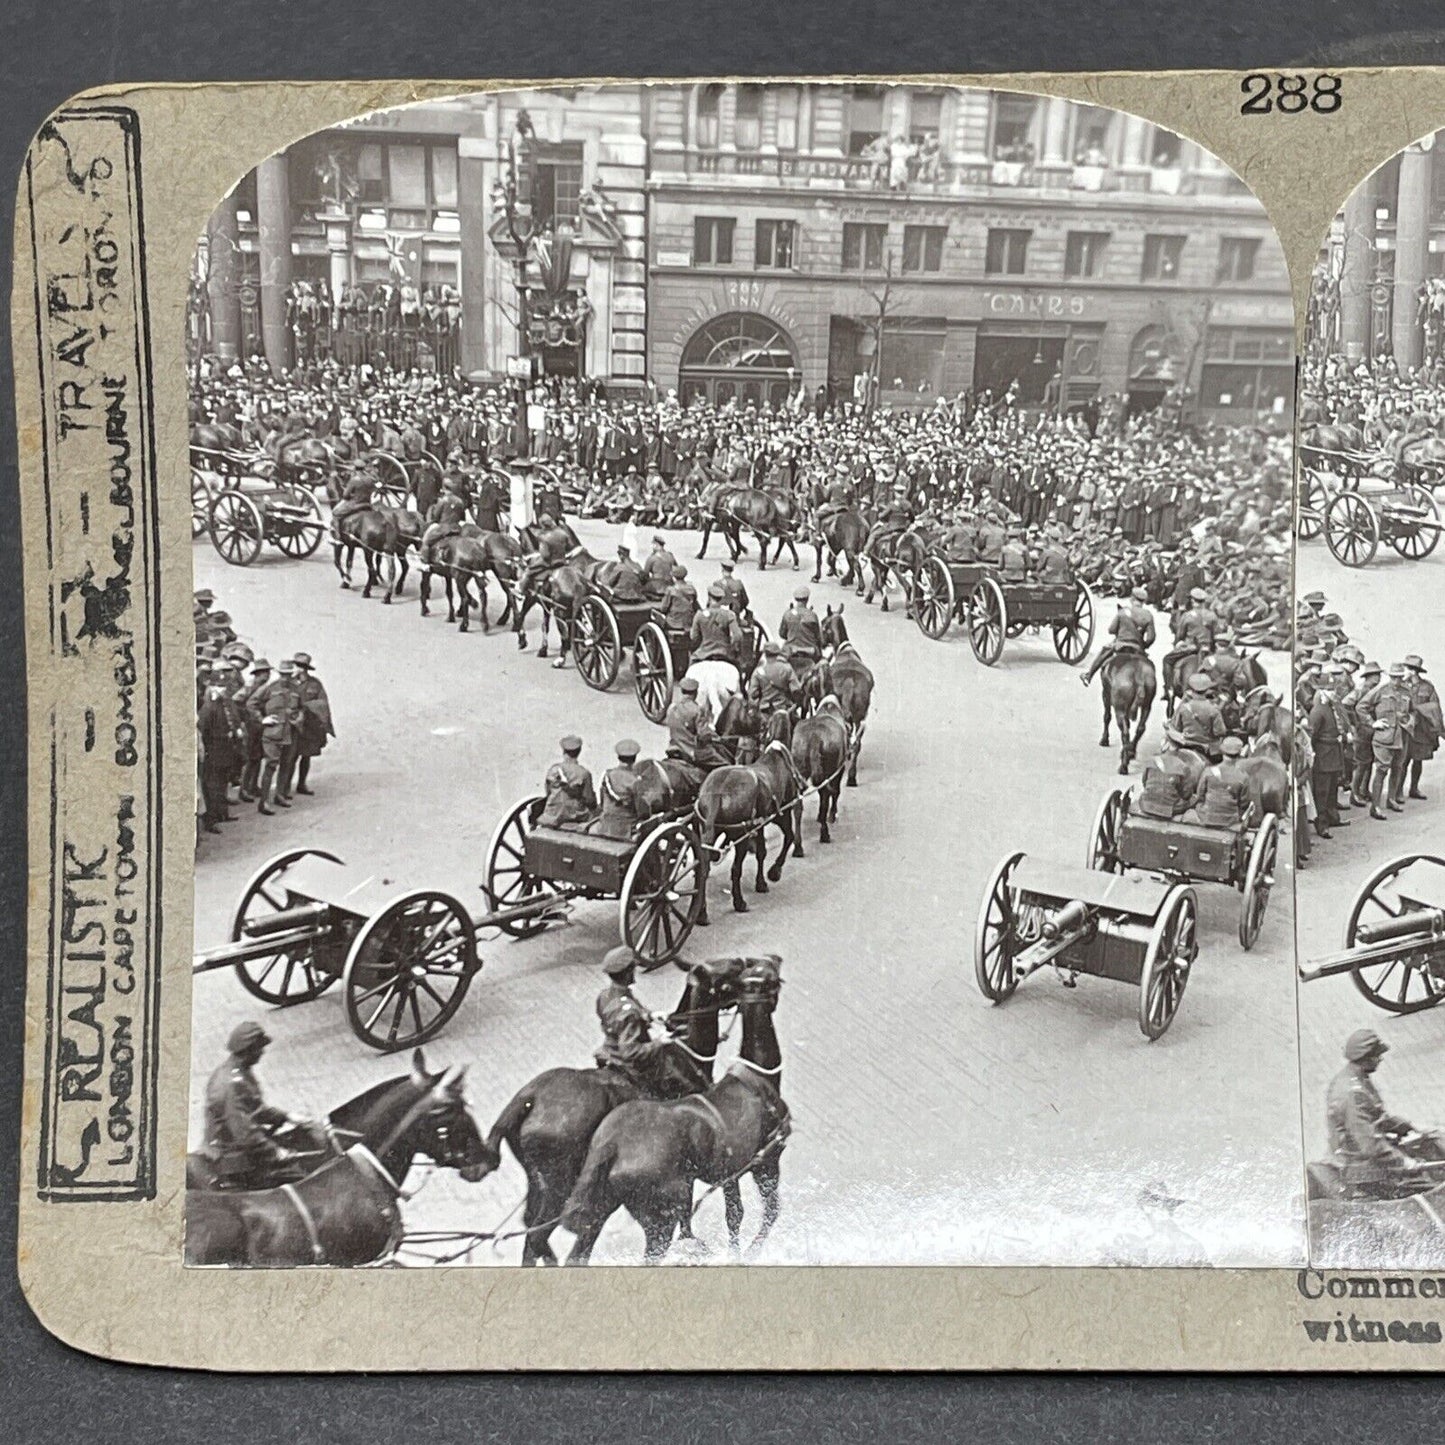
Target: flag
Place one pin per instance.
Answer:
(404, 252)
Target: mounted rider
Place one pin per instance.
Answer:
(1369, 1144)
(627, 1042)
(571, 797)
(774, 684)
(554, 543)
(691, 737)
(358, 494)
(1199, 719)
(837, 498)
(1194, 632)
(241, 1126)
(1132, 630)
(802, 634)
(445, 518)
(894, 520)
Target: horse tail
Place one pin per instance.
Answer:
(507, 1128)
(587, 1202)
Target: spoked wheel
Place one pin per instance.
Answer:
(299, 537)
(237, 529)
(662, 893)
(1258, 880)
(1312, 501)
(1170, 955)
(997, 938)
(1417, 542)
(933, 598)
(987, 621)
(393, 484)
(596, 643)
(409, 970)
(200, 503)
(1108, 827)
(1397, 985)
(652, 673)
(508, 883)
(1073, 638)
(1352, 530)
(293, 975)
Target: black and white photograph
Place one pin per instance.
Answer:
(1371, 593)
(743, 686)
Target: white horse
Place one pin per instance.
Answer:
(717, 681)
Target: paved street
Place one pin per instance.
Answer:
(1389, 608)
(930, 1127)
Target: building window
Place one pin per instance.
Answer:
(712, 240)
(1166, 148)
(863, 245)
(1237, 255)
(1084, 253)
(557, 183)
(444, 176)
(709, 102)
(748, 121)
(925, 115)
(1013, 127)
(790, 103)
(912, 359)
(1091, 135)
(1008, 253)
(865, 117)
(773, 245)
(923, 248)
(1162, 257)
(1248, 370)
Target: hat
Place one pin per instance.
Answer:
(728, 564)
(717, 592)
(618, 960)
(1364, 1044)
(1397, 669)
(800, 594)
(286, 665)
(1231, 746)
(1200, 682)
(1197, 594)
(1415, 663)
(773, 648)
(627, 749)
(571, 743)
(1370, 669)
(678, 572)
(303, 659)
(204, 595)
(1140, 594)
(623, 550)
(1314, 597)
(260, 665)
(688, 685)
(247, 1035)
(658, 539)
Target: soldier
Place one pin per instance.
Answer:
(690, 733)
(1015, 557)
(357, 495)
(1223, 798)
(991, 535)
(802, 634)
(1367, 1141)
(571, 798)
(1054, 565)
(223, 741)
(1132, 630)
(1429, 724)
(445, 519)
(658, 569)
(1361, 733)
(895, 519)
(1194, 630)
(1171, 780)
(240, 1125)
(627, 1041)
(1329, 736)
(960, 541)
(260, 679)
(624, 578)
(619, 817)
(316, 724)
(1386, 710)
(773, 685)
(678, 604)
(733, 591)
(1199, 719)
(276, 711)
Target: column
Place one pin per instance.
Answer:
(273, 226)
(1412, 244)
(1056, 131)
(472, 273)
(1136, 141)
(1358, 271)
(223, 280)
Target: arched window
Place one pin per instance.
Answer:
(709, 103)
(739, 356)
(1151, 356)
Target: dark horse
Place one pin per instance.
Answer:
(1263, 715)
(379, 536)
(1268, 777)
(647, 1155)
(733, 509)
(848, 678)
(820, 750)
(345, 1211)
(841, 535)
(737, 804)
(899, 556)
(549, 1123)
(559, 592)
(465, 559)
(1129, 683)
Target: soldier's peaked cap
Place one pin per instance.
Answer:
(571, 743)
(618, 960)
(247, 1035)
(1364, 1044)
(627, 748)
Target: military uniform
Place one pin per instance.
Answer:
(239, 1125)
(1054, 563)
(276, 711)
(1363, 1135)
(1222, 799)
(618, 797)
(627, 1041)
(1014, 561)
(735, 595)
(445, 520)
(691, 736)
(960, 543)
(716, 636)
(1169, 786)
(802, 634)
(678, 606)
(624, 579)
(657, 571)
(571, 798)
(1386, 710)
(1202, 724)
(773, 686)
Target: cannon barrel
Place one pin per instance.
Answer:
(1069, 919)
(303, 915)
(1415, 921)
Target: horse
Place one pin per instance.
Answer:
(461, 560)
(345, 1211)
(847, 677)
(820, 750)
(549, 1122)
(216, 436)
(738, 802)
(841, 535)
(1128, 682)
(646, 1155)
(378, 535)
(731, 509)
(559, 592)
(1421, 459)
(1264, 716)
(901, 556)
(1268, 775)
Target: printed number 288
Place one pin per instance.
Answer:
(1290, 94)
